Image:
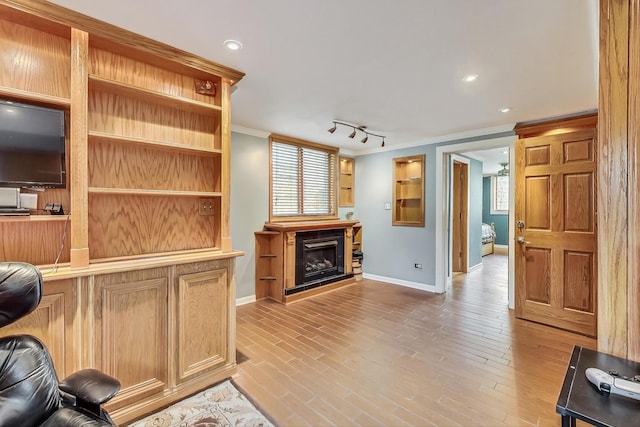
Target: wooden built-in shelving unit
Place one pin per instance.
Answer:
(357, 236)
(147, 266)
(408, 191)
(269, 264)
(347, 181)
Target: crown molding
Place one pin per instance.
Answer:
(452, 138)
(250, 131)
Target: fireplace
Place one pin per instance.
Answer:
(291, 258)
(319, 259)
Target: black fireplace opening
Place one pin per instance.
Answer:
(319, 259)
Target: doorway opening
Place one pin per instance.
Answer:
(445, 167)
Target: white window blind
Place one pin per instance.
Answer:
(302, 181)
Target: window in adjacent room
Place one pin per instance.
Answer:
(303, 180)
(500, 195)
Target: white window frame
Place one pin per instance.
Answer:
(494, 200)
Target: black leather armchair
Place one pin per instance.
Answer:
(30, 393)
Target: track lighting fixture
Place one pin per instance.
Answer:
(355, 129)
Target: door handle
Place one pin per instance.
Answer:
(522, 241)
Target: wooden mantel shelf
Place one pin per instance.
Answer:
(309, 225)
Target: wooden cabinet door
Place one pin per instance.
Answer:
(52, 323)
(131, 333)
(556, 243)
(201, 322)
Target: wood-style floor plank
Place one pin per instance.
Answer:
(376, 354)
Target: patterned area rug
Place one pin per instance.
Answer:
(220, 405)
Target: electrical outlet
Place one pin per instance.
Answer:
(418, 266)
(206, 207)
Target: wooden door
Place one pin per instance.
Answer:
(556, 230)
(459, 218)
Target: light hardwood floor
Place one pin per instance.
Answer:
(375, 354)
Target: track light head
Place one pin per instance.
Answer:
(333, 129)
(382, 142)
(353, 134)
(366, 137)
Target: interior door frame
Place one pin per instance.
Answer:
(442, 274)
(465, 239)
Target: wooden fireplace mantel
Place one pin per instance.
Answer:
(309, 225)
(276, 257)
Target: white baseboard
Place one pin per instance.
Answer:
(406, 283)
(475, 267)
(501, 246)
(245, 300)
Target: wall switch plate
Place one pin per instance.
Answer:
(387, 206)
(206, 207)
(418, 266)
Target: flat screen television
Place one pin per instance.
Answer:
(32, 150)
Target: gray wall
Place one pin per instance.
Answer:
(391, 251)
(249, 203)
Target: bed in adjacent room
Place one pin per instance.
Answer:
(488, 238)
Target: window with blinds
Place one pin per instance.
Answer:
(499, 195)
(303, 179)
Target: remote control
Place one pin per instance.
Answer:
(608, 384)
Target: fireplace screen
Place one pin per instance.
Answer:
(319, 257)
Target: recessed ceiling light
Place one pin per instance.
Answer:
(470, 78)
(504, 109)
(233, 44)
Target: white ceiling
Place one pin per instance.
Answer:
(393, 66)
(490, 159)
